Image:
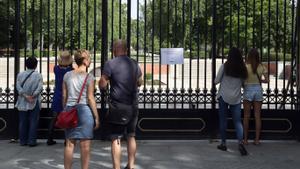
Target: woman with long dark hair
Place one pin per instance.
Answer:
(231, 76)
(253, 93)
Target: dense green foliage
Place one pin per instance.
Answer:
(263, 24)
(243, 23)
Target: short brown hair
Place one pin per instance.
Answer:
(78, 56)
(120, 44)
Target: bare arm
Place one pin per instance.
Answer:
(140, 76)
(140, 81)
(64, 94)
(266, 78)
(103, 82)
(265, 75)
(92, 102)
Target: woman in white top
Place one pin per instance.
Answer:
(86, 109)
(231, 76)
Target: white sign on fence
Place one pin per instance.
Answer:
(171, 56)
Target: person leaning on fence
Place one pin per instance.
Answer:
(124, 76)
(231, 76)
(64, 65)
(88, 118)
(253, 93)
(29, 85)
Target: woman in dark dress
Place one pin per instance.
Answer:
(64, 65)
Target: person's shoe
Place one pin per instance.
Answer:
(245, 142)
(243, 150)
(32, 145)
(213, 140)
(256, 142)
(13, 140)
(222, 147)
(127, 167)
(51, 142)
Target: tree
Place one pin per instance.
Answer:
(7, 21)
(236, 21)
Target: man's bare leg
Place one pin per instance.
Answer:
(116, 153)
(131, 151)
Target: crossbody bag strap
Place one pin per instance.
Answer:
(26, 78)
(81, 91)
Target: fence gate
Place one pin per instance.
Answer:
(175, 101)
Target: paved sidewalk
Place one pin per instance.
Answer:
(158, 154)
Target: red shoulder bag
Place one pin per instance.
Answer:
(69, 119)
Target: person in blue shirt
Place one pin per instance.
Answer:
(64, 65)
(29, 85)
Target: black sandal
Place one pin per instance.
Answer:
(222, 147)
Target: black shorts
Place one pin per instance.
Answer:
(117, 131)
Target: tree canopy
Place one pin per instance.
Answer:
(263, 24)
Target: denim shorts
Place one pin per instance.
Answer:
(253, 92)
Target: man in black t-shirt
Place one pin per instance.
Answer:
(124, 76)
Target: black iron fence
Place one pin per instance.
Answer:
(204, 29)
